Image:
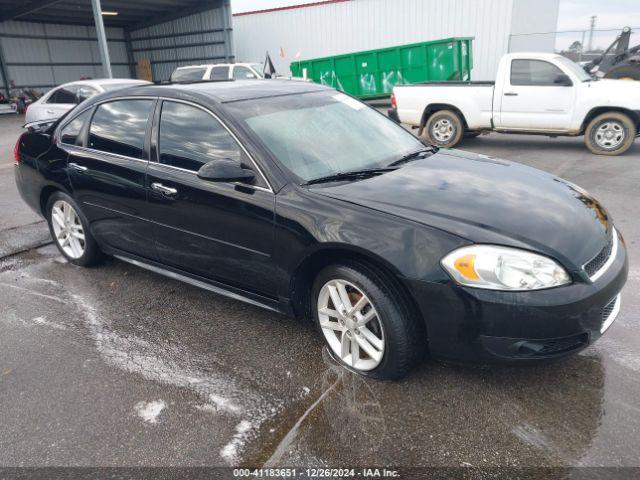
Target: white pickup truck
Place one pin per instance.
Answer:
(534, 93)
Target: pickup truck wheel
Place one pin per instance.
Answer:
(611, 133)
(444, 129)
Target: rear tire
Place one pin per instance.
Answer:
(393, 330)
(611, 133)
(626, 72)
(444, 129)
(70, 231)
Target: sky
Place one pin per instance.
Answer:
(573, 15)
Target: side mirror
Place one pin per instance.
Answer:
(225, 170)
(563, 80)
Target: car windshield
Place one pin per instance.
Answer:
(575, 69)
(319, 134)
(258, 68)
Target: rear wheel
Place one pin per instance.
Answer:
(611, 133)
(366, 321)
(444, 129)
(626, 72)
(70, 231)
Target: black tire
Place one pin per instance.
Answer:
(626, 72)
(627, 126)
(91, 254)
(451, 119)
(405, 342)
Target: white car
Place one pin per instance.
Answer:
(534, 93)
(58, 101)
(218, 71)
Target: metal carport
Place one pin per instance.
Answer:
(44, 43)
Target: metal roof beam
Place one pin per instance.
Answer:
(26, 9)
(184, 12)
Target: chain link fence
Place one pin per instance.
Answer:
(578, 45)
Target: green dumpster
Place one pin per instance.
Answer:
(374, 73)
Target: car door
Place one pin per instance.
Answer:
(534, 97)
(219, 230)
(107, 169)
(59, 102)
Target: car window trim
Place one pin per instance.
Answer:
(233, 135)
(154, 160)
(95, 106)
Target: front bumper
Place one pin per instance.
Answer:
(467, 324)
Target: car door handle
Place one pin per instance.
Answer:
(510, 94)
(51, 112)
(167, 191)
(78, 168)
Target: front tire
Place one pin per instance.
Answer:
(366, 321)
(611, 133)
(70, 231)
(444, 129)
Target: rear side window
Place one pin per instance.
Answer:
(534, 72)
(190, 137)
(219, 73)
(64, 95)
(188, 75)
(71, 132)
(120, 127)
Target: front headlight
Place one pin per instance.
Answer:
(503, 268)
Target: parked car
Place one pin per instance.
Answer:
(534, 93)
(60, 100)
(217, 71)
(303, 200)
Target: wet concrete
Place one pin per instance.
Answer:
(115, 365)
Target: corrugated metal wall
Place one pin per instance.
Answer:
(40, 56)
(354, 25)
(199, 38)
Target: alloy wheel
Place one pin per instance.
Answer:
(610, 135)
(443, 130)
(67, 229)
(351, 325)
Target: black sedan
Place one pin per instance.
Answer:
(301, 199)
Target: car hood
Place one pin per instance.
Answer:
(486, 200)
(615, 91)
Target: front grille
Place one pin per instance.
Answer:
(597, 262)
(609, 313)
(608, 309)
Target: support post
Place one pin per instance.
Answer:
(102, 38)
(228, 29)
(4, 72)
(130, 59)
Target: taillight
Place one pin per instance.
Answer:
(16, 151)
(394, 105)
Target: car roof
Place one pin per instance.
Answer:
(105, 81)
(228, 90)
(207, 65)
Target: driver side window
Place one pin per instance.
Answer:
(190, 137)
(534, 73)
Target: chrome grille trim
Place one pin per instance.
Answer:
(610, 260)
(609, 313)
